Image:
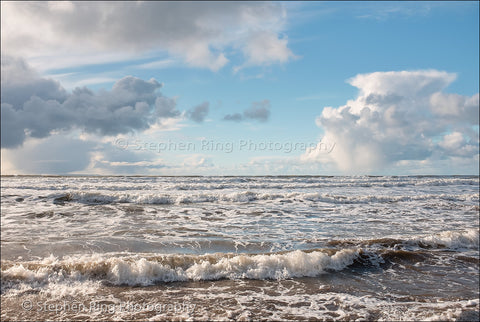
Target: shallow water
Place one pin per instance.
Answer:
(198, 248)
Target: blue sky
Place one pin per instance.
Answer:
(238, 88)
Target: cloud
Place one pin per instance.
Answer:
(32, 106)
(196, 161)
(265, 48)
(60, 154)
(455, 107)
(236, 117)
(395, 10)
(199, 112)
(158, 64)
(108, 158)
(18, 78)
(201, 34)
(399, 117)
(94, 81)
(53, 155)
(389, 10)
(259, 111)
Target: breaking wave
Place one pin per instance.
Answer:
(150, 269)
(245, 197)
(451, 240)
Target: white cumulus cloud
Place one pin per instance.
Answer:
(399, 116)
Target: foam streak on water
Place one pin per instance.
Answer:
(374, 248)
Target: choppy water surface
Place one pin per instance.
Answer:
(198, 248)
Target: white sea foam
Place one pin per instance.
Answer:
(152, 269)
(135, 270)
(450, 239)
(109, 231)
(221, 183)
(178, 198)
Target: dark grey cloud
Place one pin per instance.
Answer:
(18, 79)
(12, 135)
(32, 106)
(237, 117)
(199, 112)
(258, 111)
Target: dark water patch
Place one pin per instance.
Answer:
(403, 255)
(48, 214)
(472, 260)
(62, 199)
(469, 315)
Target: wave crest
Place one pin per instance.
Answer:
(135, 270)
(244, 197)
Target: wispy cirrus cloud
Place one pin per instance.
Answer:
(157, 64)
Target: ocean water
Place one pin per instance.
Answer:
(240, 248)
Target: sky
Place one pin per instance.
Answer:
(240, 88)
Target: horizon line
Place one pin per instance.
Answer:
(243, 175)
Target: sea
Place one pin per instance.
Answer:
(322, 248)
